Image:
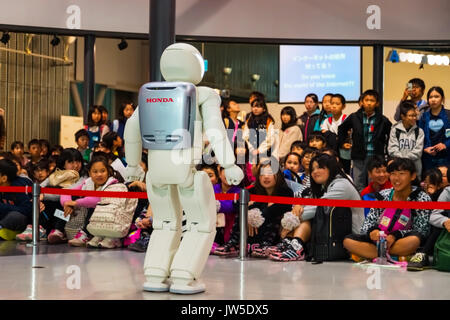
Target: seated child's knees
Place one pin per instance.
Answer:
(415, 241)
(348, 243)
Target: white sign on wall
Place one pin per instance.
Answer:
(69, 125)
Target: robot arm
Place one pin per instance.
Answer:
(209, 102)
(133, 147)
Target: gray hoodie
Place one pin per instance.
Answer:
(407, 146)
(342, 189)
(437, 217)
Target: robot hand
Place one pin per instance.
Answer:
(134, 173)
(234, 175)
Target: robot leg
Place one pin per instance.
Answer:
(166, 235)
(199, 203)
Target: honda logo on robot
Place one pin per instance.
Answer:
(152, 100)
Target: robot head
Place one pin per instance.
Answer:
(182, 62)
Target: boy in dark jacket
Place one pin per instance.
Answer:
(15, 208)
(370, 135)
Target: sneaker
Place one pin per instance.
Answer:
(110, 243)
(27, 235)
(418, 262)
(228, 250)
(280, 247)
(214, 247)
(42, 233)
(7, 234)
(356, 258)
(56, 237)
(94, 242)
(261, 251)
(294, 252)
(80, 240)
(141, 244)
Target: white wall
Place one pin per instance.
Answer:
(124, 70)
(286, 19)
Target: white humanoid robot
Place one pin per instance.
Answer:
(169, 122)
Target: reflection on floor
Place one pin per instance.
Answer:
(118, 274)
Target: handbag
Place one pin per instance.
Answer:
(112, 217)
(64, 178)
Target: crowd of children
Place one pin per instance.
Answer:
(323, 154)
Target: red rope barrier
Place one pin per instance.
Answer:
(353, 203)
(27, 189)
(99, 194)
(235, 196)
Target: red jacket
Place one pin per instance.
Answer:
(370, 189)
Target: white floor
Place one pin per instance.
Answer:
(118, 274)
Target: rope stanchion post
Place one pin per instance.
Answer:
(244, 198)
(36, 195)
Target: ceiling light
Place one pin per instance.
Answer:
(123, 44)
(410, 57)
(403, 56)
(431, 59)
(417, 58)
(5, 38)
(55, 41)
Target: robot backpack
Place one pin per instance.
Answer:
(169, 110)
(112, 217)
(394, 219)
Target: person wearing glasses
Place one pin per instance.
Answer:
(415, 89)
(406, 138)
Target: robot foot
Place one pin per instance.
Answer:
(187, 287)
(153, 285)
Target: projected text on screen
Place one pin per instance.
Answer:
(319, 70)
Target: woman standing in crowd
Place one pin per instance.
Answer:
(45, 148)
(232, 124)
(435, 124)
(406, 138)
(125, 112)
(309, 120)
(259, 132)
(105, 116)
(290, 132)
(95, 126)
(326, 108)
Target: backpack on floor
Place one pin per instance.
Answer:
(329, 228)
(441, 259)
(112, 217)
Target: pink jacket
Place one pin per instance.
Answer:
(88, 185)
